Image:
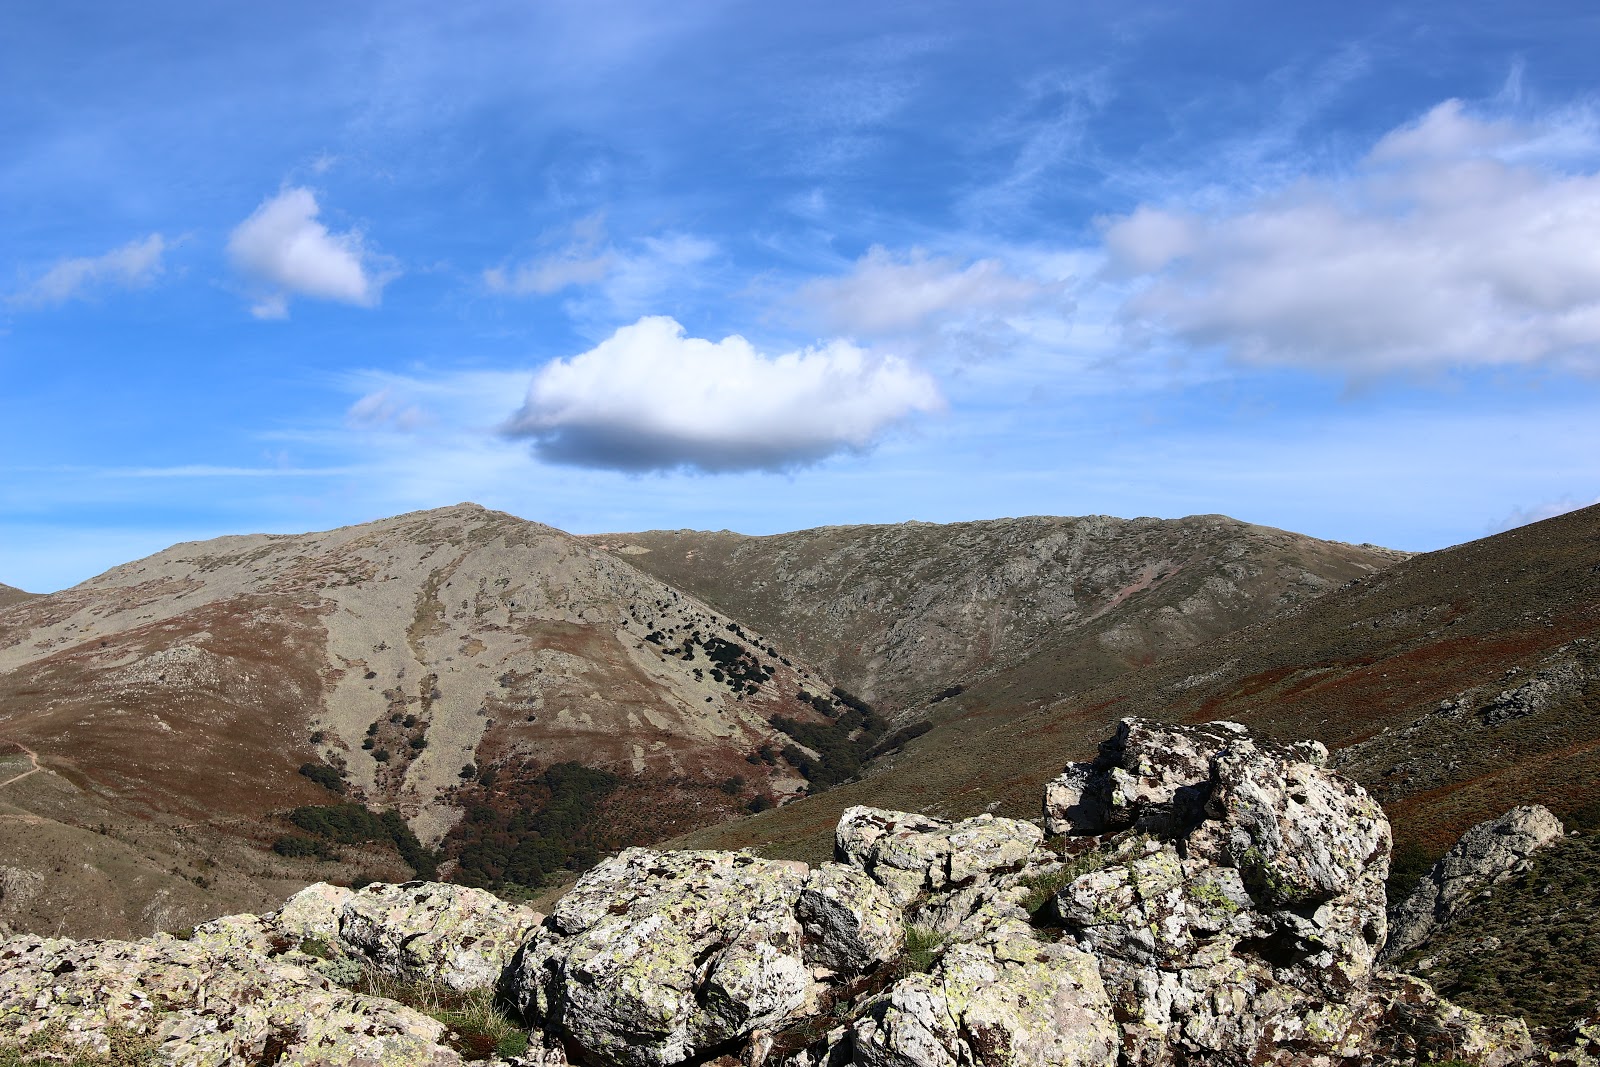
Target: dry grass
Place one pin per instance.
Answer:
(480, 1024)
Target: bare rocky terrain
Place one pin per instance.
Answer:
(899, 613)
(11, 595)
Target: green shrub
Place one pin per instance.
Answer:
(325, 776)
(317, 948)
(536, 825)
(921, 951)
(354, 824)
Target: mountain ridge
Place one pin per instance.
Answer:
(1484, 655)
(900, 612)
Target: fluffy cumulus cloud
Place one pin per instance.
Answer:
(651, 399)
(911, 294)
(1458, 241)
(284, 251)
(132, 266)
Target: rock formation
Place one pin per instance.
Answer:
(1213, 899)
(1488, 853)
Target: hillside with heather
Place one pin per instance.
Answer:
(462, 669)
(1452, 685)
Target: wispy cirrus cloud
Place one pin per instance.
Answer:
(649, 398)
(611, 281)
(283, 250)
(1459, 241)
(1548, 509)
(131, 266)
(585, 259)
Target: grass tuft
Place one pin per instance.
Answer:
(125, 1048)
(481, 1024)
(922, 950)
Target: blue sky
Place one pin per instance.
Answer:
(617, 265)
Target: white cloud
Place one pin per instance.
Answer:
(1539, 512)
(617, 282)
(885, 294)
(651, 399)
(1457, 242)
(383, 409)
(936, 307)
(284, 251)
(584, 260)
(132, 266)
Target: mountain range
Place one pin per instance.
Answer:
(223, 722)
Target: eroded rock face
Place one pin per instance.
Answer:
(1006, 999)
(1488, 853)
(850, 924)
(204, 1004)
(314, 911)
(1242, 921)
(654, 957)
(460, 936)
(910, 855)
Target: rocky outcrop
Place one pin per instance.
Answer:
(655, 957)
(912, 855)
(1216, 900)
(459, 936)
(1487, 854)
(272, 988)
(201, 1004)
(1004, 999)
(1240, 917)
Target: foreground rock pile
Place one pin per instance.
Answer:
(1204, 898)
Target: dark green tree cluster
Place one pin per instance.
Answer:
(325, 776)
(841, 745)
(355, 824)
(534, 826)
(899, 738)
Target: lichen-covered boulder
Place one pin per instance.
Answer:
(910, 855)
(1008, 1000)
(1490, 852)
(313, 912)
(1577, 1045)
(202, 1005)
(1299, 833)
(1422, 1027)
(1148, 776)
(849, 922)
(454, 934)
(655, 957)
(1241, 921)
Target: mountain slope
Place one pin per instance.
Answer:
(431, 663)
(1454, 685)
(12, 595)
(897, 613)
